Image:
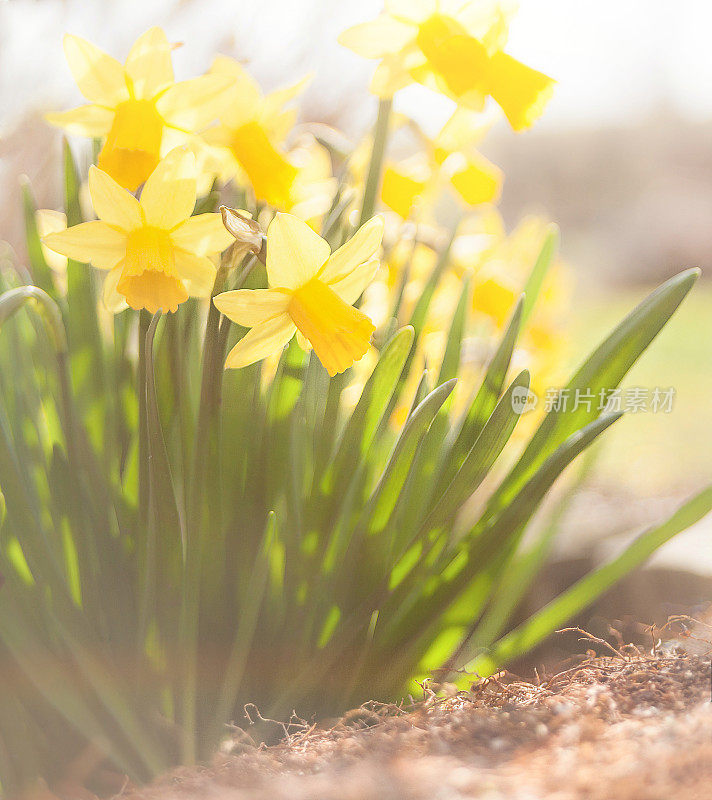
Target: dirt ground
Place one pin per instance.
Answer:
(628, 725)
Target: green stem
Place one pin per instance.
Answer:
(189, 613)
(179, 385)
(144, 321)
(375, 167)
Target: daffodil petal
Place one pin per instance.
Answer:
(194, 104)
(520, 91)
(114, 301)
(196, 272)
(463, 130)
(244, 95)
(149, 64)
(478, 181)
(295, 253)
(378, 37)
(303, 342)
(202, 234)
(90, 242)
(359, 248)
(100, 78)
(112, 203)
(275, 101)
(351, 287)
(261, 341)
(400, 191)
(218, 136)
(249, 307)
(389, 77)
(168, 196)
(87, 120)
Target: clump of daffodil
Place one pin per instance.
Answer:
(248, 144)
(137, 108)
(156, 253)
(311, 292)
(455, 48)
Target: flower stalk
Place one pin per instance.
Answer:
(374, 175)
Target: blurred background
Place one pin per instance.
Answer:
(622, 160)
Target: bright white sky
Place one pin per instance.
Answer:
(614, 59)
(617, 59)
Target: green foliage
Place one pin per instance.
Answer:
(179, 542)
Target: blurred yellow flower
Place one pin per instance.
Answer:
(449, 159)
(311, 293)
(404, 184)
(495, 297)
(248, 144)
(155, 251)
(137, 107)
(455, 48)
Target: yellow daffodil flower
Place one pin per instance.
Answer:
(311, 292)
(476, 179)
(248, 143)
(448, 160)
(156, 253)
(137, 107)
(455, 48)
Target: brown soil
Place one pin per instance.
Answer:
(626, 726)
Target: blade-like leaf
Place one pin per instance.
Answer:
(375, 397)
(168, 520)
(41, 273)
(484, 452)
(386, 494)
(488, 393)
(602, 371)
(583, 593)
(451, 358)
(538, 273)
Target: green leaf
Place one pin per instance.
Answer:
(488, 393)
(493, 538)
(603, 371)
(387, 492)
(72, 187)
(370, 410)
(585, 591)
(538, 273)
(372, 187)
(167, 518)
(482, 456)
(82, 320)
(41, 273)
(451, 358)
(249, 615)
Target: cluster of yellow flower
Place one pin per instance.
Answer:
(173, 141)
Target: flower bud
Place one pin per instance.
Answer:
(245, 230)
